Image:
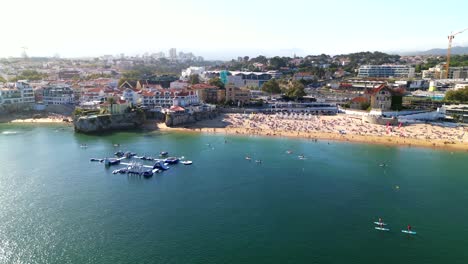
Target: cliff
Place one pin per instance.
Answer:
(177, 119)
(101, 123)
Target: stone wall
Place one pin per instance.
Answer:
(102, 123)
(178, 119)
(379, 120)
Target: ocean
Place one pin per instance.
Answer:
(58, 207)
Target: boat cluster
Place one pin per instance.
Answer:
(138, 168)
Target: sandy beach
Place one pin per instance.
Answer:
(337, 128)
(50, 119)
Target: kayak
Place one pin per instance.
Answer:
(382, 229)
(377, 223)
(408, 232)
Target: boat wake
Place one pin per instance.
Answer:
(7, 133)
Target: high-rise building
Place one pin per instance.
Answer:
(173, 54)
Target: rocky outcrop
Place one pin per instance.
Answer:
(178, 119)
(102, 123)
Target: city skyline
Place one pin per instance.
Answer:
(220, 31)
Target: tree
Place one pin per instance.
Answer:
(460, 95)
(271, 86)
(277, 62)
(216, 82)
(295, 90)
(194, 79)
(2, 80)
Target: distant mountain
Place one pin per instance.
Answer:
(440, 52)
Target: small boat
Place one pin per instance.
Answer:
(163, 153)
(258, 161)
(83, 146)
(289, 152)
(172, 160)
(248, 158)
(186, 162)
(119, 154)
(93, 159)
(111, 161)
(147, 173)
(129, 154)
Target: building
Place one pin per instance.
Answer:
(173, 54)
(239, 96)
(381, 98)
(457, 112)
(359, 102)
(386, 71)
(209, 93)
(131, 96)
(304, 76)
(185, 74)
(69, 74)
(165, 98)
(57, 95)
(244, 79)
(458, 73)
(17, 93)
(185, 98)
(179, 85)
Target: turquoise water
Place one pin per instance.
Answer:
(57, 207)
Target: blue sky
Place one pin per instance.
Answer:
(227, 29)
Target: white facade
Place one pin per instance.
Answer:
(386, 71)
(185, 75)
(131, 96)
(186, 99)
(179, 85)
(57, 95)
(18, 93)
(167, 98)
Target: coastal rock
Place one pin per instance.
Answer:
(101, 123)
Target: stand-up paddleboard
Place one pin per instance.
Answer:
(377, 223)
(408, 232)
(382, 229)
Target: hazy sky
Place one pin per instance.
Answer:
(225, 29)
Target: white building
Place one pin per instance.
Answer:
(168, 97)
(131, 96)
(386, 71)
(57, 95)
(17, 93)
(179, 85)
(185, 75)
(186, 98)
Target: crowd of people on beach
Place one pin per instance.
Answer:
(343, 124)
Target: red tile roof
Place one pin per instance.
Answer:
(177, 108)
(359, 99)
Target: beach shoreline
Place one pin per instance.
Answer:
(220, 126)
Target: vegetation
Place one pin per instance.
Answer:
(271, 86)
(30, 75)
(362, 58)
(216, 82)
(194, 79)
(460, 95)
(397, 103)
(2, 80)
(295, 90)
(364, 105)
